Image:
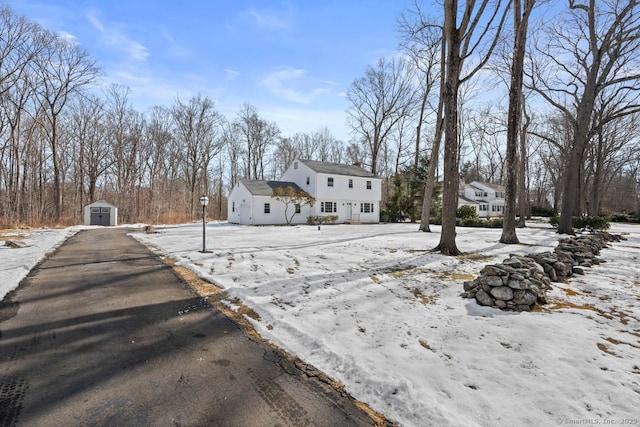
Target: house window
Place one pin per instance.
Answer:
(368, 185)
(267, 208)
(330, 182)
(500, 194)
(233, 206)
(308, 180)
(366, 207)
(328, 207)
(350, 183)
(483, 207)
(297, 208)
(481, 193)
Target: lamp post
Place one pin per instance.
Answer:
(204, 201)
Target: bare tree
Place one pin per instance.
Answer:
(259, 136)
(159, 165)
(379, 100)
(87, 129)
(593, 50)
(422, 41)
(461, 42)
(21, 41)
(65, 70)
(196, 130)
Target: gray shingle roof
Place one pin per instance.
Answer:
(337, 169)
(495, 187)
(468, 200)
(265, 188)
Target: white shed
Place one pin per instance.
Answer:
(100, 213)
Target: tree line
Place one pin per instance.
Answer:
(487, 90)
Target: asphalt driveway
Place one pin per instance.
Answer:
(103, 333)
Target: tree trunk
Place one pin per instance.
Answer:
(447, 245)
(523, 200)
(435, 150)
(513, 120)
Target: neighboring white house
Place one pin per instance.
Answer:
(347, 191)
(487, 199)
(100, 213)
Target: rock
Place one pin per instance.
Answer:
(15, 244)
(468, 285)
(519, 284)
(501, 304)
(578, 270)
(552, 275)
(524, 298)
(493, 270)
(516, 276)
(149, 229)
(504, 293)
(490, 280)
(523, 308)
(484, 298)
(513, 262)
(562, 270)
(508, 269)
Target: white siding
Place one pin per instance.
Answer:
(299, 175)
(244, 208)
(277, 212)
(239, 206)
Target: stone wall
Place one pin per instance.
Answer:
(521, 281)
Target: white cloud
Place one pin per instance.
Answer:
(173, 47)
(230, 74)
(116, 37)
(68, 37)
(282, 84)
(269, 20)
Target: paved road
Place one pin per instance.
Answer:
(104, 334)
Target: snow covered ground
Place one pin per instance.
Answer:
(373, 309)
(15, 264)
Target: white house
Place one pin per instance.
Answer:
(346, 191)
(250, 202)
(487, 199)
(100, 213)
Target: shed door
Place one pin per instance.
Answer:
(100, 216)
(245, 213)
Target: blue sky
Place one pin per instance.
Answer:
(293, 60)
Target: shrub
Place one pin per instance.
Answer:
(584, 222)
(542, 211)
(479, 222)
(591, 222)
(322, 219)
(466, 212)
(390, 216)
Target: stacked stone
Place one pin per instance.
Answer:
(520, 282)
(517, 284)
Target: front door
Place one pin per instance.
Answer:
(349, 210)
